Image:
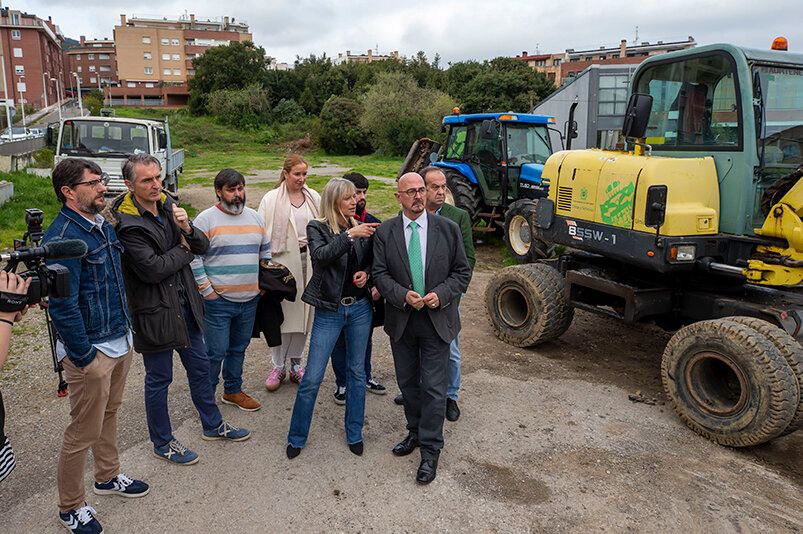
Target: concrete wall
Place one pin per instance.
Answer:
(558, 104)
(6, 191)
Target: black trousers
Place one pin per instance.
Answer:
(421, 359)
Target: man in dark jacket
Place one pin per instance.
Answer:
(166, 308)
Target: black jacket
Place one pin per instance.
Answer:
(329, 253)
(154, 257)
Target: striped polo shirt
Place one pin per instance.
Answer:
(236, 245)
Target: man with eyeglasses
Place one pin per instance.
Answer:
(435, 182)
(420, 268)
(95, 345)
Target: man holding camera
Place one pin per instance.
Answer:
(95, 345)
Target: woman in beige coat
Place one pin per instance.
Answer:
(286, 210)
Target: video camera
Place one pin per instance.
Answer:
(46, 280)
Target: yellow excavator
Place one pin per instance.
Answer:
(697, 229)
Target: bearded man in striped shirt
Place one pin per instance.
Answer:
(227, 277)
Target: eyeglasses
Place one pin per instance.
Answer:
(95, 183)
(413, 192)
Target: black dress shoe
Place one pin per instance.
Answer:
(356, 448)
(452, 411)
(426, 471)
(407, 446)
(292, 452)
(399, 400)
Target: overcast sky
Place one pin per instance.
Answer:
(456, 29)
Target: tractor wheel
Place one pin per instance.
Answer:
(526, 304)
(466, 195)
(522, 245)
(729, 383)
(789, 349)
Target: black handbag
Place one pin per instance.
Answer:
(277, 281)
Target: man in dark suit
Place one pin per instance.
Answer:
(420, 268)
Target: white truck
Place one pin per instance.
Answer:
(108, 141)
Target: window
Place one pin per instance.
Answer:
(574, 59)
(78, 57)
(92, 68)
(612, 94)
(165, 57)
(92, 79)
(176, 57)
(165, 41)
(105, 68)
(130, 84)
(18, 52)
(78, 68)
(15, 18)
(694, 103)
(174, 42)
(19, 69)
(190, 72)
(147, 55)
(148, 70)
(176, 72)
(166, 72)
(90, 57)
(149, 85)
(146, 39)
(15, 34)
(103, 56)
(555, 62)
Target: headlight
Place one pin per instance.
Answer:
(683, 252)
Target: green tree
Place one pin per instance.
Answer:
(243, 108)
(398, 111)
(235, 66)
(502, 84)
(340, 131)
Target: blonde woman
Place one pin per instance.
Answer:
(341, 253)
(286, 210)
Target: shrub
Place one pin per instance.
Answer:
(287, 110)
(43, 159)
(243, 108)
(398, 112)
(340, 131)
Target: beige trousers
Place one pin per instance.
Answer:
(96, 392)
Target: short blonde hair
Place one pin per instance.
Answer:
(335, 191)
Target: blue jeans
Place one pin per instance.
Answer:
(339, 359)
(454, 369)
(228, 326)
(355, 322)
(159, 375)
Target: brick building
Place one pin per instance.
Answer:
(94, 61)
(154, 56)
(549, 64)
(32, 55)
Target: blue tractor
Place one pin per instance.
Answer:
(493, 164)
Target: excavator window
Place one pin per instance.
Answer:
(695, 103)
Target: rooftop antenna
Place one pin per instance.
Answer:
(537, 50)
(635, 41)
(376, 48)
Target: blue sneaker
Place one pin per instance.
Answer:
(122, 485)
(226, 431)
(177, 453)
(81, 521)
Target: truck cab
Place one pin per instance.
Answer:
(108, 141)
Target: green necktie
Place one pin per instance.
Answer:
(414, 254)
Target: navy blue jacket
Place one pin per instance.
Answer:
(96, 309)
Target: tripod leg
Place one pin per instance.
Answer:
(61, 390)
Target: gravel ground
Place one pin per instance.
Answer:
(548, 442)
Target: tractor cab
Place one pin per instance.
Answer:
(493, 159)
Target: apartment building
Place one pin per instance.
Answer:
(549, 64)
(368, 57)
(94, 61)
(154, 56)
(32, 57)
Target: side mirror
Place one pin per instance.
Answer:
(637, 115)
(488, 129)
(49, 136)
(574, 130)
(655, 212)
(162, 140)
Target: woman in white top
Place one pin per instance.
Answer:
(286, 211)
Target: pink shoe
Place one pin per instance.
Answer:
(275, 378)
(297, 374)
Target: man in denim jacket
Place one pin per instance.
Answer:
(95, 345)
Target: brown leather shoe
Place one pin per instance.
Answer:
(242, 401)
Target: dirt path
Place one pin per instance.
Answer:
(548, 442)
